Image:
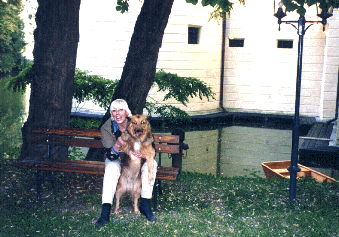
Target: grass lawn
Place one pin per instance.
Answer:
(194, 205)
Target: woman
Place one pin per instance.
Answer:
(111, 140)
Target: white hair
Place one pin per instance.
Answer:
(120, 104)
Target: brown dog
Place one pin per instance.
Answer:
(138, 138)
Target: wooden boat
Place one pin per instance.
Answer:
(279, 169)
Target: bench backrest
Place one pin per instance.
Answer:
(92, 138)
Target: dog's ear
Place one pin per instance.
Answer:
(128, 119)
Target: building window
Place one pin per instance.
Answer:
(193, 34)
(239, 43)
(285, 44)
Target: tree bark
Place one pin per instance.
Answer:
(56, 42)
(140, 66)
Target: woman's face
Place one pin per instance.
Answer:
(119, 115)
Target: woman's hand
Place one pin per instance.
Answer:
(118, 144)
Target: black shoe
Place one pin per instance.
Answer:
(106, 210)
(146, 210)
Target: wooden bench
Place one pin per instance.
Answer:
(318, 137)
(91, 138)
(316, 151)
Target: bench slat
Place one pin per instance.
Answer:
(163, 148)
(93, 143)
(322, 131)
(68, 131)
(88, 167)
(164, 138)
(65, 141)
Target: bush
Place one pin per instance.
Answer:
(12, 110)
(86, 123)
(100, 91)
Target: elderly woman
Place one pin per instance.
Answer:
(111, 140)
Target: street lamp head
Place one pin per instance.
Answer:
(324, 12)
(281, 13)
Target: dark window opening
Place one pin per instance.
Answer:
(193, 35)
(285, 44)
(236, 42)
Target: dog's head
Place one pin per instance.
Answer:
(139, 127)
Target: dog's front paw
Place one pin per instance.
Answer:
(136, 211)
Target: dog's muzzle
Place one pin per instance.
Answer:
(138, 132)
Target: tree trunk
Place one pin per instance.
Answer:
(140, 66)
(56, 42)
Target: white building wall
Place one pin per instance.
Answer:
(330, 75)
(262, 78)
(104, 37)
(202, 61)
(253, 78)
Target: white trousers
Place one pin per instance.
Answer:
(111, 177)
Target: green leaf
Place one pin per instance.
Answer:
(213, 2)
(169, 113)
(19, 82)
(92, 87)
(205, 2)
(181, 88)
(194, 2)
(311, 2)
(290, 6)
(122, 6)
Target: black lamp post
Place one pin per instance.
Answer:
(281, 13)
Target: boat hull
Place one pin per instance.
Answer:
(279, 169)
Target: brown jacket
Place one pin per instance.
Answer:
(107, 137)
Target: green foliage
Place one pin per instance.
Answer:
(12, 110)
(194, 2)
(181, 88)
(299, 5)
(221, 7)
(93, 88)
(11, 35)
(86, 123)
(75, 153)
(19, 82)
(169, 113)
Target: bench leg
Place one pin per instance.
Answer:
(38, 179)
(155, 194)
(38, 184)
(157, 189)
(160, 188)
(50, 178)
